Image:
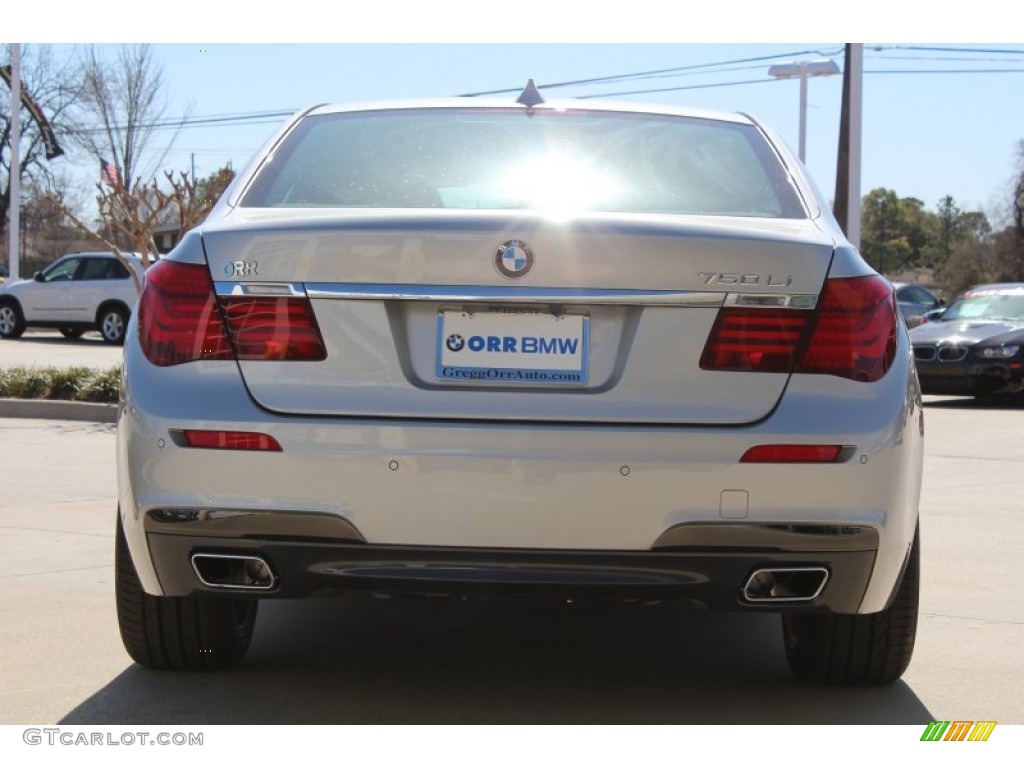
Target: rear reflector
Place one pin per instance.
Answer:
(851, 333)
(230, 441)
(792, 454)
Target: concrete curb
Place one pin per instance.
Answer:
(62, 410)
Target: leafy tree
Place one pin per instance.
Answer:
(889, 234)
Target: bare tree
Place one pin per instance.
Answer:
(125, 98)
(133, 217)
(1018, 196)
(56, 87)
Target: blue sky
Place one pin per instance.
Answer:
(926, 133)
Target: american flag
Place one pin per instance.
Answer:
(108, 173)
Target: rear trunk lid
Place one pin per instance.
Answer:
(513, 316)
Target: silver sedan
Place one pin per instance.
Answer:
(489, 348)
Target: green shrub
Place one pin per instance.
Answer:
(25, 383)
(104, 387)
(67, 383)
(75, 383)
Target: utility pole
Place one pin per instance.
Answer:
(14, 217)
(856, 134)
(847, 199)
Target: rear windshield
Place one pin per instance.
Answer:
(511, 159)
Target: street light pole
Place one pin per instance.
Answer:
(14, 206)
(803, 113)
(803, 70)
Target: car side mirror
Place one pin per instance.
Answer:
(932, 315)
(38, 277)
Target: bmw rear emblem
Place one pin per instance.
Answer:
(514, 258)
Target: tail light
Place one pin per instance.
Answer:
(178, 316)
(765, 340)
(273, 328)
(851, 334)
(180, 320)
(854, 332)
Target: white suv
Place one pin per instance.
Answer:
(77, 293)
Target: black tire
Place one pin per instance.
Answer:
(112, 324)
(178, 633)
(12, 322)
(871, 648)
(71, 333)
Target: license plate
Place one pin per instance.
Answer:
(512, 347)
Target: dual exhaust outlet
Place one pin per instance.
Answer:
(244, 572)
(780, 585)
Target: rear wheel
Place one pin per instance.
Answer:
(179, 633)
(113, 324)
(871, 648)
(12, 324)
(70, 333)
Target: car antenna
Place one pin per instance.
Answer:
(530, 97)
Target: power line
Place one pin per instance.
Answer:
(1017, 52)
(772, 79)
(211, 121)
(679, 88)
(273, 116)
(649, 73)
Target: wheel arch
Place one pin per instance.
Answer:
(107, 304)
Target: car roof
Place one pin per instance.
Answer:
(996, 288)
(455, 102)
(106, 254)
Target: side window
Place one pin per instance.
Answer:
(64, 270)
(95, 269)
(115, 270)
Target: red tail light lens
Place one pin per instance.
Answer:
(792, 454)
(231, 441)
(851, 333)
(765, 340)
(273, 328)
(178, 316)
(854, 332)
(180, 320)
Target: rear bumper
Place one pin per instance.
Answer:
(589, 504)
(708, 563)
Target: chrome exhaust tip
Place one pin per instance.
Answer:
(774, 585)
(246, 572)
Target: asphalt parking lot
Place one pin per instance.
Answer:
(363, 660)
(42, 348)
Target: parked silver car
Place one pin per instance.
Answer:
(915, 301)
(489, 348)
